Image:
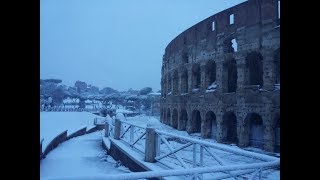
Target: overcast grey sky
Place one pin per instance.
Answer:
(114, 43)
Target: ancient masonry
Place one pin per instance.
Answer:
(221, 77)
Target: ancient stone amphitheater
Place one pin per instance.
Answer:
(221, 77)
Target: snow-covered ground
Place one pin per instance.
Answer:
(80, 156)
(53, 123)
(84, 155)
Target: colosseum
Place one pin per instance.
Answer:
(221, 77)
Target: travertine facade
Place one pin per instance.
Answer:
(221, 77)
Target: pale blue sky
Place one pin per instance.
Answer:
(114, 43)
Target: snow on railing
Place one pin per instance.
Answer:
(175, 151)
(135, 137)
(131, 134)
(174, 172)
(203, 154)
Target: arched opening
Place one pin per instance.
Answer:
(255, 124)
(196, 121)
(229, 128)
(255, 69)
(168, 119)
(175, 79)
(230, 45)
(196, 76)
(184, 81)
(183, 120)
(210, 74)
(232, 76)
(277, 65)
(210, 125)
(174, 122)
(277, 136)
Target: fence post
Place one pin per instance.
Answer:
(41, 147)
(194, 155)
(117, 129)
(150, 146)
(106, 129)
(131, 134)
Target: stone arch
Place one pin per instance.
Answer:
(196, 76)
(183, 120)
(209, 126)
(277, 65)
(254, 129)
(229, 128)
(210, 74)
(168, 118)
(195, 122)
(184, 81)
(174, 121)
(255, 68)
(230, 68)
(277, 135)
(175, 80)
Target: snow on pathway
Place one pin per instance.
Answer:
(80, 156)
(53, 123)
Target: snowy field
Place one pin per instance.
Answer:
(53, 123)
(80, 156)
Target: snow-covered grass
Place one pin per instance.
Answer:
(53, 123)
(80, 156)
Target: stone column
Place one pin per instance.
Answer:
(269, 75)
(241, 72)
(189, 127)
(244, 132)
(269, 132)
(190, 80)
(202, 78)
(106, 129)
(179, 83)
(150, 145)
(205, 128)
(220, 77)
(220, 130)
(117, 129)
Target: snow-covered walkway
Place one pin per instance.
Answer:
(54, 123)
(80, 156)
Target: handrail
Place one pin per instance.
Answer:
(152, 153)
(175, 172)
(222, 147)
